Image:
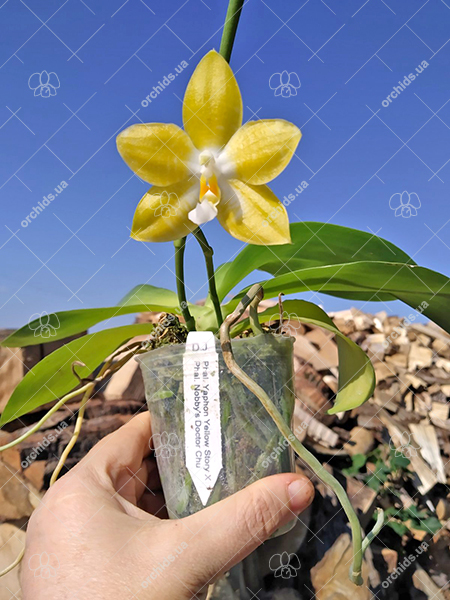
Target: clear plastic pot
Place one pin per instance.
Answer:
(252, 446)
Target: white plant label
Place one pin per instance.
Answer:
(202, 428)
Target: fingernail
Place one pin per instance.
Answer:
(301, 493)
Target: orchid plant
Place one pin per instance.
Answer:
(218, 168)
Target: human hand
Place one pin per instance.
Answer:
(97, 533)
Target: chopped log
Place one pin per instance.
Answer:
(426, 438)
(126, 383)
(420, 357)
(427, 479)
(423, 582)
(18, 497)
(391, 558)
(363, 499)
(330, 576)
(12, 541)
(361, 441)
(304, 421)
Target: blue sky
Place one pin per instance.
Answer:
(108, 56)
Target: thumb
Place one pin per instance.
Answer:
(226, 532)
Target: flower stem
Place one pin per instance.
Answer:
(180, 246)
(208, 252)
(230, 27)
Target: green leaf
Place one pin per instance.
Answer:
(149, 294)
(356, 373)
(431, 525)
(358, 462)
(52, 377)
(374, 483)
(313, 245)
(419, 287)
(399, 528)
(415, 513)
(398, 460)
(67, 323)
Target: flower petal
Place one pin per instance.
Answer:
(34, 81)
(404, 199)
(294, 562)
(275, 81)
(284, 78)
(294, 80)
(212, 107)
(284, 559)
(260, 150)
(253, 214)
(53, 80)
(395, 201)
(204, 212)
(44, 78)
(275, 562)
(158, 152)
(150, 224)
(414, 200)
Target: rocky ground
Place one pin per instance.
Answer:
(393, 452)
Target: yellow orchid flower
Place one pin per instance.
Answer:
(216, 167)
